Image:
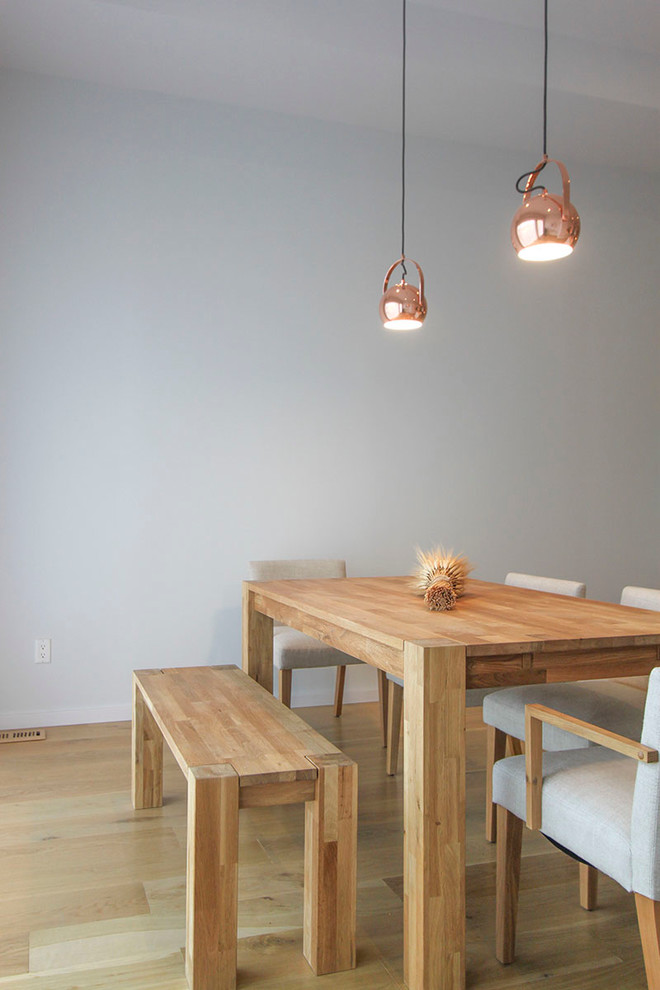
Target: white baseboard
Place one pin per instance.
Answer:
(122, 713)
(65, 716)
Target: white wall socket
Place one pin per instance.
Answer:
(42, 651)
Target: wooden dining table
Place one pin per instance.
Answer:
(496, 635)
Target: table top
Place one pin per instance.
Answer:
(489, 619)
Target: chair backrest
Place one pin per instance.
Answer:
(641, 598)
(645, 825)
(291, 570)
(555, 586)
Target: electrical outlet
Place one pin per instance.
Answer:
(42, 651)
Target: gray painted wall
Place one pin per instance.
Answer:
(193, 375)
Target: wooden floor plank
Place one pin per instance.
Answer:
(96, 891)
(73, 906)
(14, 949)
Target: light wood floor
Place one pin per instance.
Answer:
(93, 892)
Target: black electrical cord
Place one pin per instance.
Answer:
(545, 78)
(403, 148)
(525, 176)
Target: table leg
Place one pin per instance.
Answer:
(434, 817)
(257, 642)
(147, 764)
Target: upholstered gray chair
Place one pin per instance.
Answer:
(474, 697)
(614, 704)
(293, 650)
(601, 805)
(554, 586)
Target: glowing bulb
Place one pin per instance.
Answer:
(403, 323)
(545, 252)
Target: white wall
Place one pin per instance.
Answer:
(193, 375)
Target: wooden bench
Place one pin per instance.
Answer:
(239, 747)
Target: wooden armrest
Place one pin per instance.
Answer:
(535, 716)
(594, 733)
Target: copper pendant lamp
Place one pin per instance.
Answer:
(545, 226)
(403, 306)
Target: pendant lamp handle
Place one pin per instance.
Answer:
(398, 262)
(566, 184)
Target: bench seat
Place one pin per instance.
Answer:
(240, 747)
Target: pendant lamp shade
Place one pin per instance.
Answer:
(545, 227)
(403, 306)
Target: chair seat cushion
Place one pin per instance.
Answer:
(587, 804)
(293, 650)
(613, 706)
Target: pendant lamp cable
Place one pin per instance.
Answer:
(403, 147)
(526, 175)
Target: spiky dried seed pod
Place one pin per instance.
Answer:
(437, 562)
(440, 596)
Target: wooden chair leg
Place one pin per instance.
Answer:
(648, 918)
(514, 746)
(212, 878)
(383, 703)
(495, 750)
(395, 717)
(339, 689)
(588, 887)
(285, 677)
(147, 765)
(509, 846)
(331, 867)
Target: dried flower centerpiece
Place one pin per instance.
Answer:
(440, 577)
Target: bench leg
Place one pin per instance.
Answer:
(147, 768)
(212, 878)
(331, 866)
